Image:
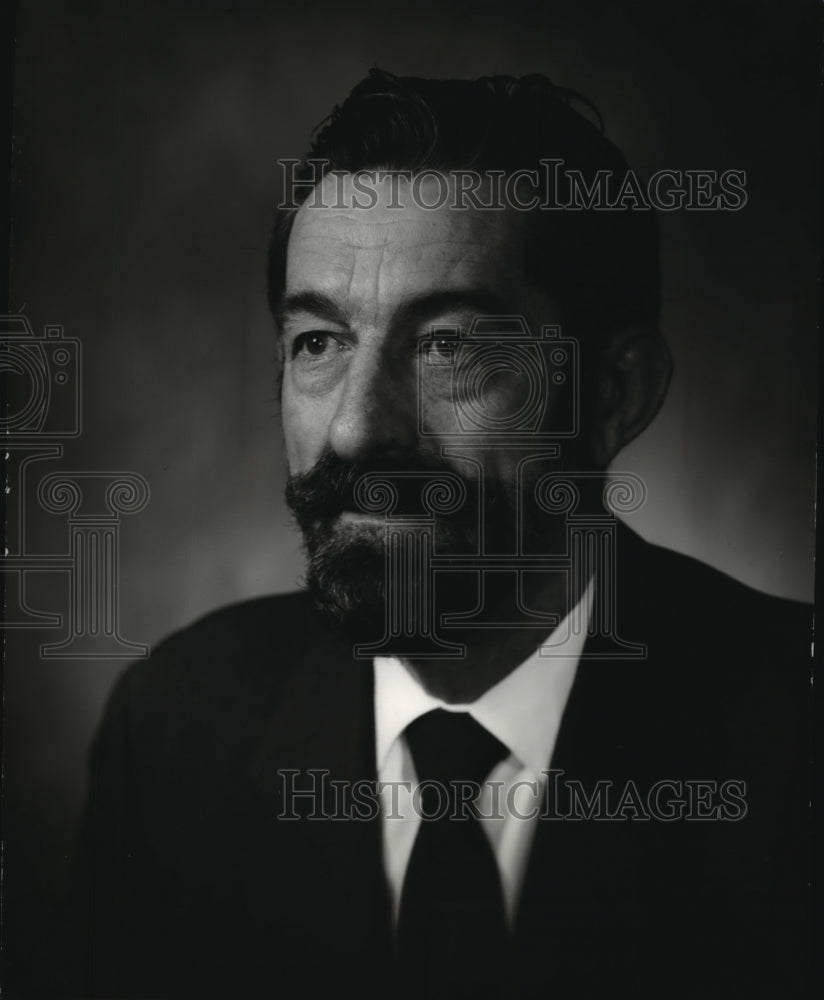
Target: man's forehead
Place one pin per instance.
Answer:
(384, 224)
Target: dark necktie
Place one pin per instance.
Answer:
(452, 935)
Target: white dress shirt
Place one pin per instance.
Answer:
(523, 711)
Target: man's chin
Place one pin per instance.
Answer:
(351, 520)
(346, 579)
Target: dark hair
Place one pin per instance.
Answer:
(600, 266)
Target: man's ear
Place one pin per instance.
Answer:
(633, 377)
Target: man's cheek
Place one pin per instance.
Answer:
(305, 435)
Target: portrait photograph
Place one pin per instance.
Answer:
(410, 483)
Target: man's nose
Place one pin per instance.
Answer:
(376, 411)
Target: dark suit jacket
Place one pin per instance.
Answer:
(192, 886)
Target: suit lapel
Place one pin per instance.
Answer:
(582, 908)
(320, 736)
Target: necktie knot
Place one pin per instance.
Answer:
(453, 746)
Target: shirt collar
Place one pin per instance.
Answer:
(523, 710)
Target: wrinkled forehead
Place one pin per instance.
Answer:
(406, 231)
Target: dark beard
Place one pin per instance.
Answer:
(346, 579)
(347, 562)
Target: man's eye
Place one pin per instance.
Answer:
(440, 350)
(314, 343)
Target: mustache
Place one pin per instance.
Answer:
(328, 488)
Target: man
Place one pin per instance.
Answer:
(464, 349)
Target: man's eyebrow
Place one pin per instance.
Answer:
(477, 301)
(316, 303)
(417, 310)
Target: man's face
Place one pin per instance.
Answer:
(362, 377)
